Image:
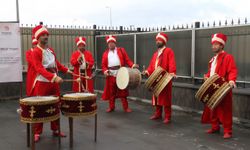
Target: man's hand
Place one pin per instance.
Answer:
(79, 59)
(136, 66)
(232, 84)
(69, 71)
(107, 73)
(173, 74)
(144, 72)
(58, 80)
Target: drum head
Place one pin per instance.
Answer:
(122, 78)
(39, 99)
(74, 95)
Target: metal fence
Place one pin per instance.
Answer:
(192, 49)
(62, 39)
(191, 45)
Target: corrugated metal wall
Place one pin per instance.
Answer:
(61, 40)
(142, 45)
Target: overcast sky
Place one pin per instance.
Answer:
(139, 13)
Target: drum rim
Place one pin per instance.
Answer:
(79, 98)
(83, 114)
(40, 120)
(162, 83)
(218, 96)
(152, 78)
(205, 86)
(46, 102)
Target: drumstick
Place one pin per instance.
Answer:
(86, 82)
(79, 84)
(69, 80)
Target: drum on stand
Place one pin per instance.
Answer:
(78, 104)
(39, 109)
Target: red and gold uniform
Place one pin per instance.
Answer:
(163, 57)
(224, 65)
(83, 65)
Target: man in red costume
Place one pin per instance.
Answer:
(222, 64)
(112, 59)
(46, 80)
(31, 72)
(83, 61)
(163, 57)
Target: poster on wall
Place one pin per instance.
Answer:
(10, 53)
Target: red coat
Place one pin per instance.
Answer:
(37, 58)
(225, 68)
(90, 60)
(31, 72)
(167, 61)
(124, 60)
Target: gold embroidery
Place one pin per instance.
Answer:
(206, 98)
(39, 120)
(93, 105)
(32, 111)
(80, 107)
(216, 86)
(51, 110)
(65, 106)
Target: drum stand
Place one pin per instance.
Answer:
(32, 141)
(71, 118)
(71, 130)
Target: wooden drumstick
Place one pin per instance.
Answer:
(86, 82)
(79, 84)
(71, 80)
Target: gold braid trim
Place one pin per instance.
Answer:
(40, 120)
(217, 97)
(205, 86)
(153, 77)
(79, 114)
(162, 84)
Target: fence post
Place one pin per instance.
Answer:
(135, 59)
(138, 29)
(121, 30)
(197, 25)
(94, 43)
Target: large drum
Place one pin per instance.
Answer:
(213, 90)
(39, 109)
(78, 104)
(158, 80)
(128, 78)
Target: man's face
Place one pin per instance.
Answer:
(159, 44)
(81, 47)
(44, 39)
(111, 45)
(217, 47)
